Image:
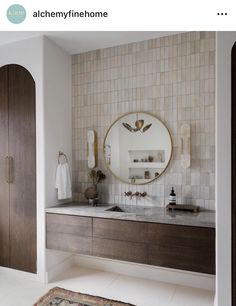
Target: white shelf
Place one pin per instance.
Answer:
(147, 165)
(142, 180)
(143, 150)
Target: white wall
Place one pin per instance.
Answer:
(50, 67)
(58, 124)
(225, 41)
(57, 110)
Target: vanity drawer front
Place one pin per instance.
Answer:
(67, 224)
(195, 259)
(179, 235)
(120, 250)
(120, 230)
(69, 243)
(182, 247)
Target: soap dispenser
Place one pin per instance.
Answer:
(172, 197)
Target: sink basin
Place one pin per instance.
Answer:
(115, 208)
(130, 209)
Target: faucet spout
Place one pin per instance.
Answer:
(135, 194)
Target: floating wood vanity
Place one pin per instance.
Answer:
(184, 247)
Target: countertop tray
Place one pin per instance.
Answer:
(185, 207)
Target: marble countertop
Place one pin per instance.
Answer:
(204, 218)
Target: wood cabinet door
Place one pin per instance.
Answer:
(22, 149)
(233, 170)
(182, 247)
(67, 224)
(69, 243)
(121, 250)
(120, 230)
(69, 233)
(4, 186)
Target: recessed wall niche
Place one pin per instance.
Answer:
(171, 77)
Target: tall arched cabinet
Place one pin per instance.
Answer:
(233, 169)
(17, 169)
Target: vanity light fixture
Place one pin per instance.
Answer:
(139, 123)
(185, 157)
(91, 138)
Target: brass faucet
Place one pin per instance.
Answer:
(128, 193)
(135, 194)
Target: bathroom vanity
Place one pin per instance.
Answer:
(148, 235)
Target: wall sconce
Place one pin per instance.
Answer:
(185, 155)
(91, 138)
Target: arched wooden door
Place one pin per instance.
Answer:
(17, 169)
(233, 168)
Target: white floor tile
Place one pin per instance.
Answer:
(85, 280)
(140, 292)
(191, 296)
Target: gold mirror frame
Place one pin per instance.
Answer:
(104, 157)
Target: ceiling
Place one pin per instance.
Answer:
(78, 42)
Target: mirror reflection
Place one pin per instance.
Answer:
(137, 148)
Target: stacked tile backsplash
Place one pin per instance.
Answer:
(172, 77)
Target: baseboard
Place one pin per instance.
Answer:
(59, 268)
(180, 277)
(20, 274)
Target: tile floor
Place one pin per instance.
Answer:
(141, 292)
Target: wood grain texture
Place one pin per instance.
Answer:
(173, 246)
(182, 247)
(70, 243)
(120, 230)
(4, 187)
(121, 250)
(233, 170)
(22, 148)
(180, 235)
(67, 224)
(197, 259)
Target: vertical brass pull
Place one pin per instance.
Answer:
(10, 169)
(7, 169)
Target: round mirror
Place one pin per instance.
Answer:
(137, 148)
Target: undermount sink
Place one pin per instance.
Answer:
(130, 209)
(115, 208)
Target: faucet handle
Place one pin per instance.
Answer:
(143, 194)
(128, 193)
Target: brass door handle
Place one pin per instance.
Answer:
(9, 169)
